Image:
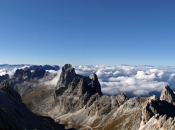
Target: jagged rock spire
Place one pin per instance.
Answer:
(167, 95)
(95, 83)
(69, 78)
(67, 75)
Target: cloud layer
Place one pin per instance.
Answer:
(131, 80)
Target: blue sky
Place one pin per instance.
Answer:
(88, 32)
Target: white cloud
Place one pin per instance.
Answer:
(131, 80)
(2, 72)
(6, 71)
(54, 81)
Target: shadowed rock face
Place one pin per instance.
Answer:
(27, 74)
(19, 73)
(15, 116)
(70, 80)
(38, 73)
(67, 75)
(158, 114)
(4, 77)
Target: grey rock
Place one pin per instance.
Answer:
(4, 77)
(67, 75)
(15, 116)
(79, 84)
(167, 95)
(156, 107)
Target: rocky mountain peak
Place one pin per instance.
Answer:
(66, 76)
(27, 74)
(167, 95)
(70, 81)
(22, 72)
(67, 67)
(93, 76)
(67, 72)
(38, 73)
(95, 83)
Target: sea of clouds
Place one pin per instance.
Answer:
(127, 79)
(131, 80)
(10, 69)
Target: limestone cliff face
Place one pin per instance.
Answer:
(67, 75)
(167, 95)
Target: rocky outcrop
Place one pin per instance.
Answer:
(76, 84)
(4, 77)
(73, 91)
(160, 111)
(27, 74)
(67, 75)
(15, 116)
(167, 95)
(5, 87)
(19, 73)
(38, 73)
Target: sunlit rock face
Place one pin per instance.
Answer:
(167, 95)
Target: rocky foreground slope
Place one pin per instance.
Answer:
(79, 103)
(15, 116)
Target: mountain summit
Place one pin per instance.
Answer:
(69, 79)
(167, 95)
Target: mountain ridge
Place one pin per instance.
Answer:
(101, 112)
(77, 102)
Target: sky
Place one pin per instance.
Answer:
(87, 32)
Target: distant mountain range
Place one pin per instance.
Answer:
(31, 67)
